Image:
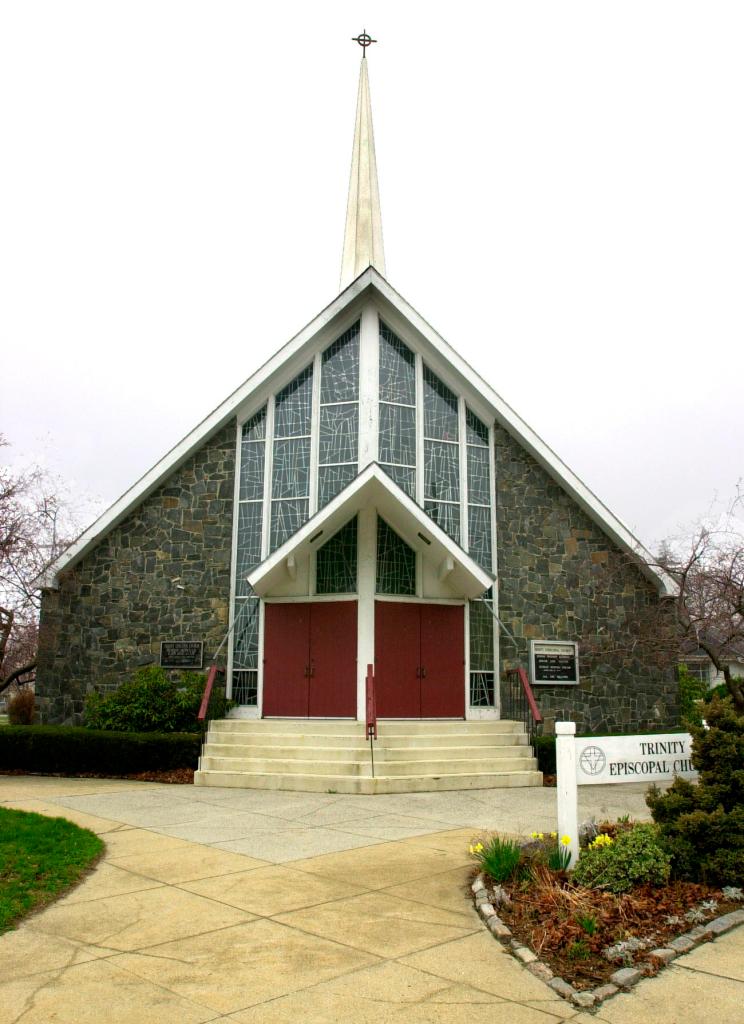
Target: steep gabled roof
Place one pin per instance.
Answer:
(374, 488)
(390, 303)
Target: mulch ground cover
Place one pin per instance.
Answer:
(552, 919)
(177, 776)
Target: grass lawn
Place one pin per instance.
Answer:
(39, 859)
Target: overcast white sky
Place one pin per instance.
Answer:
(562, 198)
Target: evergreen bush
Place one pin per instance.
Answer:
(153, 702)
(702, 823)
(635, 857)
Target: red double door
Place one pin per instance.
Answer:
(310, 660)
(419, 660)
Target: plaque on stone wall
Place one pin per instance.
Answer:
(554, 662)
(181, 653)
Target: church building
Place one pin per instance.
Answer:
(364, 499)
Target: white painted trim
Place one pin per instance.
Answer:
(462, 454)
(369, 488)
(260, 665)
(495, 569)
(438, 352)
(415, 599)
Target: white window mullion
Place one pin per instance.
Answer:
(268, 470)
(419, 430)
(315, 438)
(463, 451)
(234, 557)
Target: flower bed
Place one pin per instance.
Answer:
(586, 941)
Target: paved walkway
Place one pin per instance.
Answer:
(259, 908)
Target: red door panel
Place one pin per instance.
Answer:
(442, 661)
(397, 649)
(333, 659)
(286, 659)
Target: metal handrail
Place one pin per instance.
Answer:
(371, 715)
(214, 671)
(519, 701)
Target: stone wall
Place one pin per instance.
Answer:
(162, 574)
(562, 578)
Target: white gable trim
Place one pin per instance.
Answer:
(374, 488)
(443, 358)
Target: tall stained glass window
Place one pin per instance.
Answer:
(396, 562)
(338, 443)
(397, 447)
(248, 555)
(336, 562)
(441, 455)
(478, 458)
(290, 473)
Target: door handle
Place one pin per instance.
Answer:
(312, 669)
(423, 672)
(418, 671)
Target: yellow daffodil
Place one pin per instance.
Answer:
(553, 835)
(566, 840)
(476, 848)
(541, 836)
(602, 840)
(533, 835)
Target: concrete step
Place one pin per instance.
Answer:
(349, 727)
(410, 755)
(426, 769)
(366, 785)
(220, 746)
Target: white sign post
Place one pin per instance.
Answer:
(595, 760)
(567, 789)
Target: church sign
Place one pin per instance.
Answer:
(554, 663)
(593, 760)
(657, 758)
(181, 654)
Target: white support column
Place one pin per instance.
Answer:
(567, 789)
(369, 387)
(367, 565)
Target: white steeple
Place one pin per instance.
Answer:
(363, 236)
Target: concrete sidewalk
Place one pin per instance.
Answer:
(251, 906)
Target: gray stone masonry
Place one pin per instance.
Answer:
(114, 607)
(562, 578)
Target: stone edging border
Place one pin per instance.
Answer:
(623, 979)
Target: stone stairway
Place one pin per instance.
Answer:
(411, 756)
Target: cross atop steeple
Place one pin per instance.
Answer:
(363, 235)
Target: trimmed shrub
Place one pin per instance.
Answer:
(153, 702)
(545, 754)
(22, 707)
(634, 858)
(71, 750)
(702, 824)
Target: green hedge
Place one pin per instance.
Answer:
(545, 754)
(69, 750)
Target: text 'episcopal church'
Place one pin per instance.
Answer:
(365, 499)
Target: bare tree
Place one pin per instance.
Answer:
(35, 527)
(708, 568)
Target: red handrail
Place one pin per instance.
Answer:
(212, 675)
(371, 703)
(522, 675)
